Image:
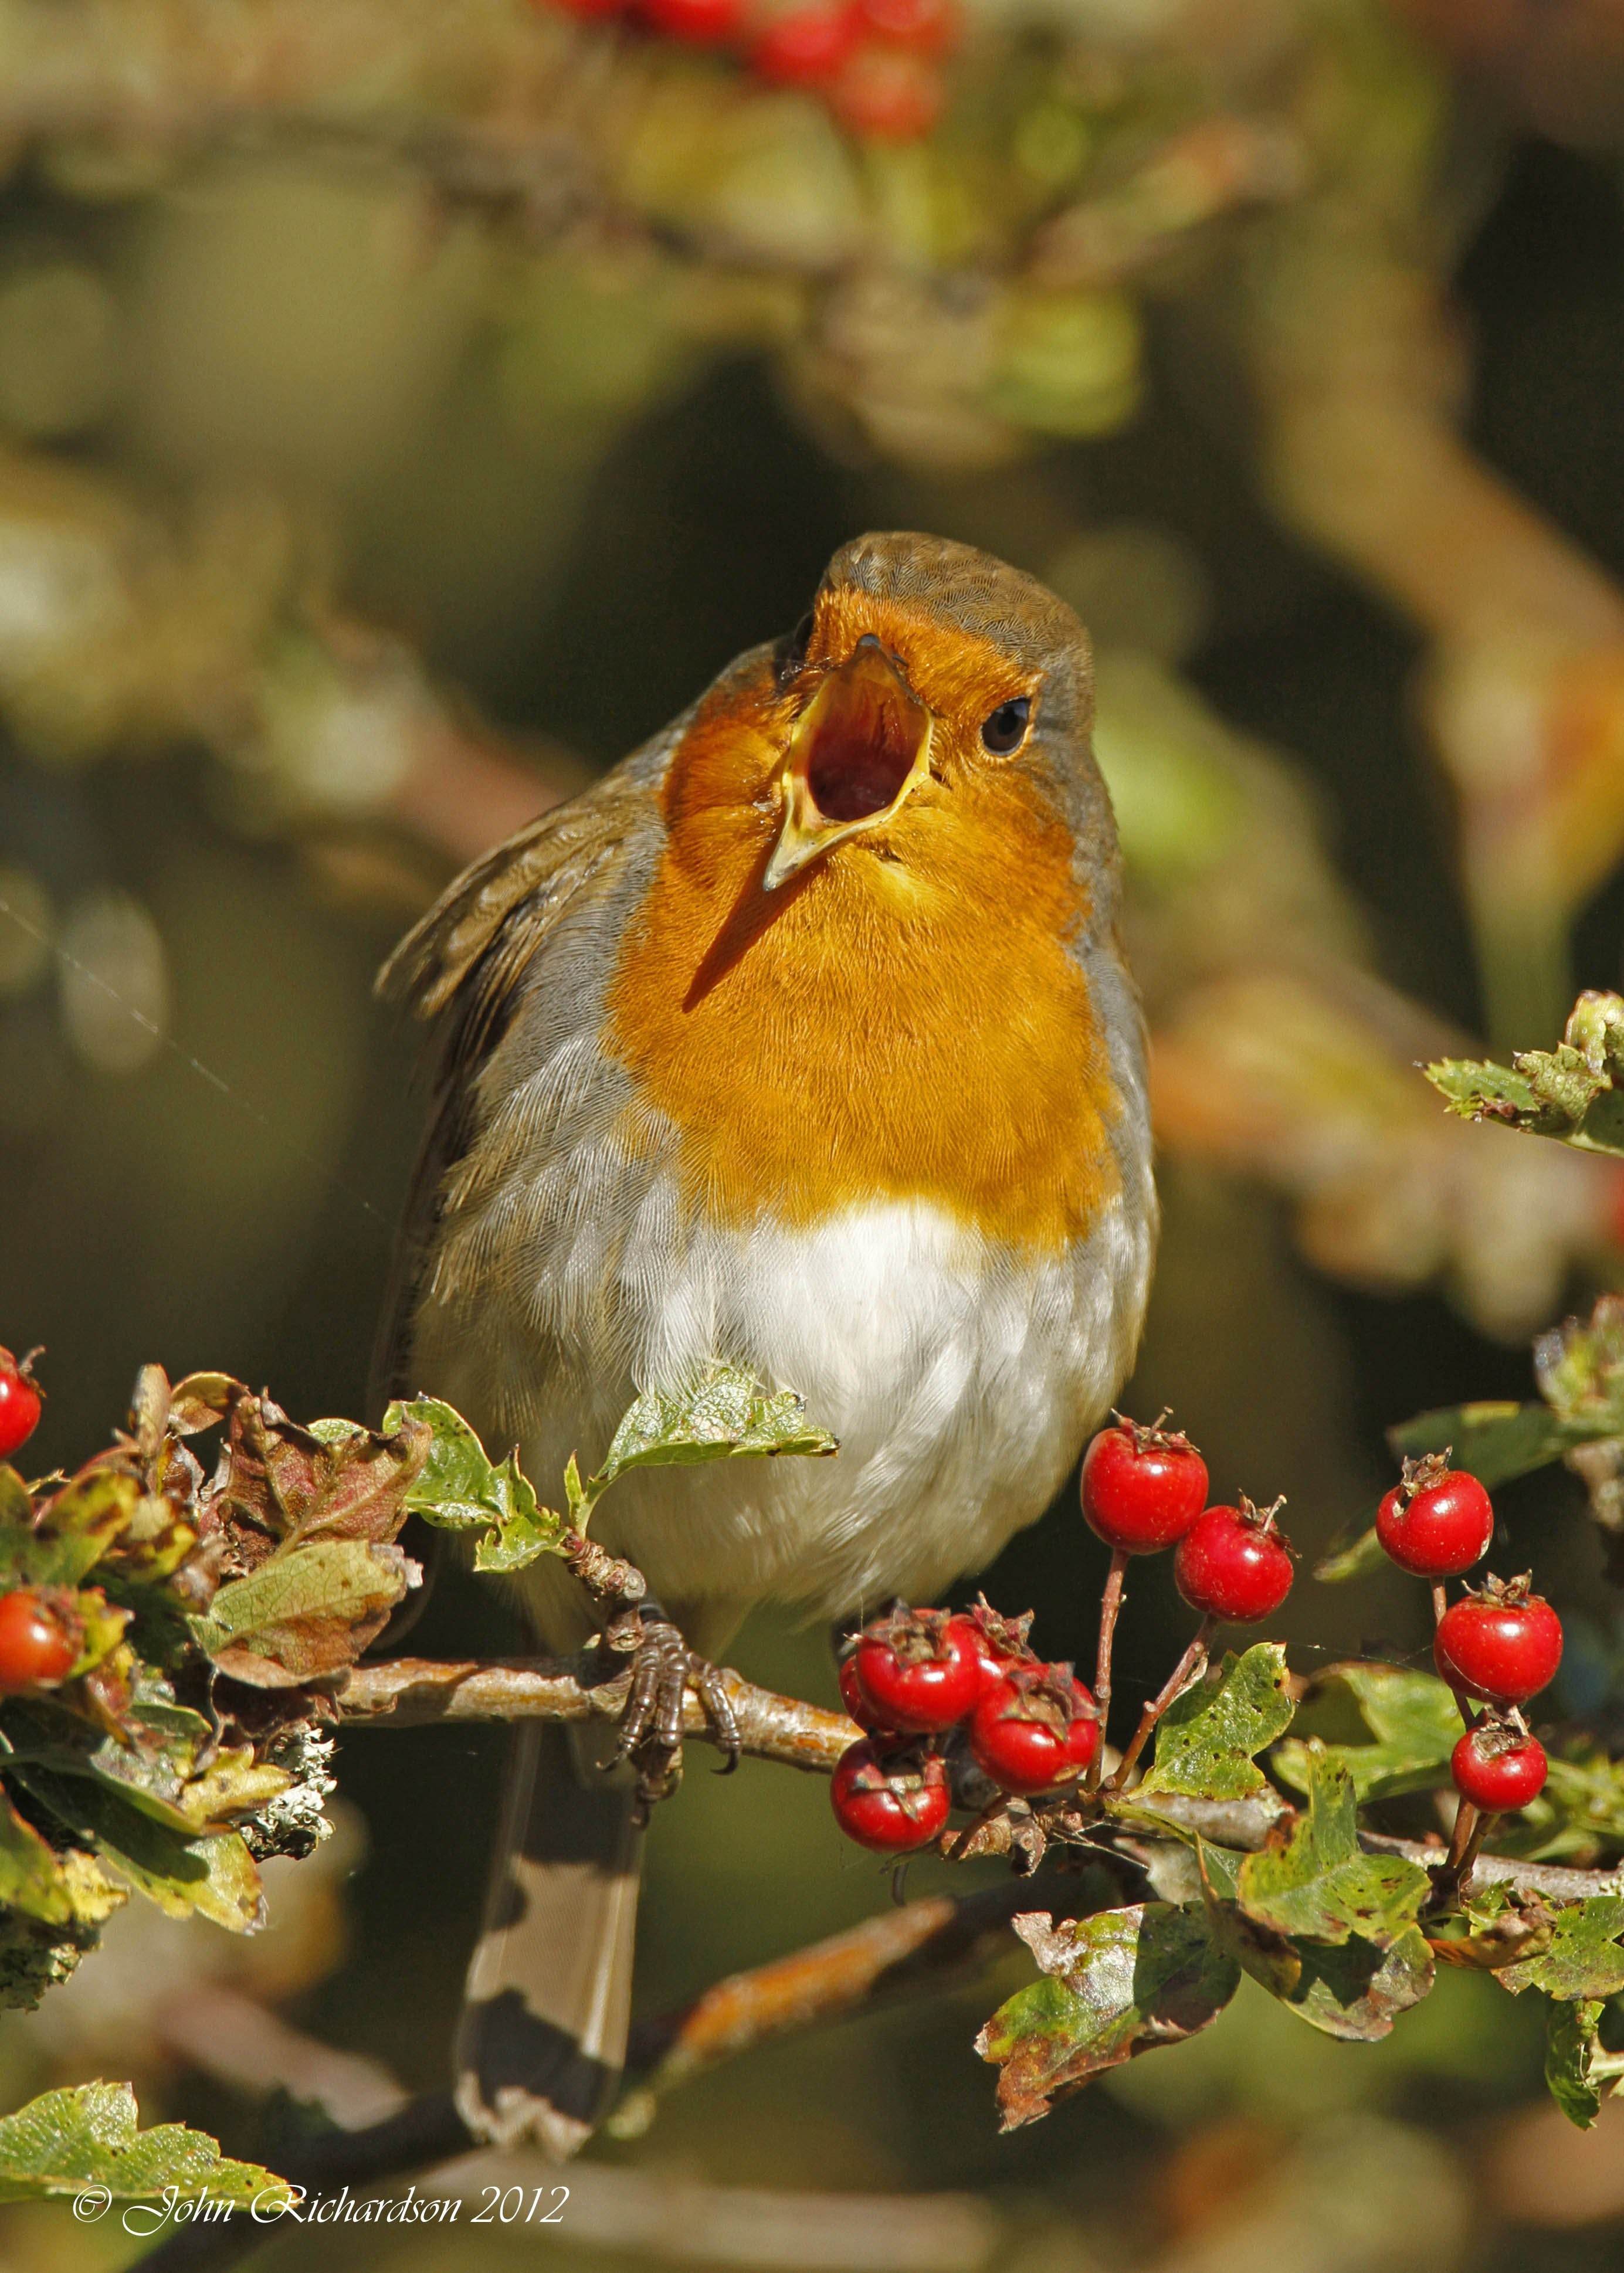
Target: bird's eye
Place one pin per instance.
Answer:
(1006, 729)
(791, 653)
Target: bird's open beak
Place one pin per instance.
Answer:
(861, 744)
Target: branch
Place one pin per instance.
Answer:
(414, 1692)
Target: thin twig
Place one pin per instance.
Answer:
(415, 1691)
(1189, 1668)
(1110, 1611)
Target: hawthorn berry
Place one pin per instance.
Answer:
(929, 27)
(1142, 1488)
(36, 1647)
(1502, 1643)
(921, 1671)
(1498, 1768)
(1233, 1563)
(1000, 1642)
(887, 1799)
(1438, 1521)
(1035, 1729)
(857, 1706)
(20, 1401)
(806, 46)
(698, 23)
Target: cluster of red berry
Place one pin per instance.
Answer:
(1144, 1489)
(875, 62)
(1499, 1642)
(36, 1645)
(913, 1678)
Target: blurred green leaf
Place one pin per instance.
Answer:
(1313, 1878)
(1120, 1983)
(31, 1877)
(67, 2142)
(1580, 1368)
(214, 1876)
(1206, 1739)
(1571, 2047)
(1494, 1440)
(724, 1414)
(1582, 1959)
(1413, 1717)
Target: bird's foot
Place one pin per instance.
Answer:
(663, 1669)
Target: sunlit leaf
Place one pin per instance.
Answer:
(306, 1611)
(1413, 1717)
(1206, 1739)
(1119, 1983)
(1571, 2047)
(73, 2141)
(1313, 1878)
(1583, 1958)
(726, 1413)
(214, 1876)
(459, 1489)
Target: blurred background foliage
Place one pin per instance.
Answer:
(403, 410)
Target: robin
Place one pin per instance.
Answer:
(802, 1040)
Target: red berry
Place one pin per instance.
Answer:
(35, 1646)
(887, 94)
(1233, 1563)
(807, 46)
(929, 27)
(1142, 1488)
(19, 1402)
(1438, 1522)
(1000, 1642)
(1504, 1643)
(888, 1800)
(920, 1670)
(1497, 1768)
(701, 23)
(851, 1696)
(1036, 1729)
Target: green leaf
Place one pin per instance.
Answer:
(73, 2141)
(1206, 1738)
(71, 1532)
(724, 1414)
(213, 1876)
(1120, 1983)
(461, 1489)
(1313, 1880)
(31, 1876)
(1582, 1959)
(1353, 1553)
(1567, 1093)
(1413, 1717)
(306, 1611)
(1571, 2047)
(1494, 1440)
(1579, 1367)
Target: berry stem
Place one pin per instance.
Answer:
(1110, 1609)
(1441, 1603)
(1189, 1668)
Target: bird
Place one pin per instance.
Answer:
(804, 1040)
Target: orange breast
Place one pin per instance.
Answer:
(907, 1024)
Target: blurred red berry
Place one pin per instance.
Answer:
(889, 1801)
(1233, 1563)
(929, 27)
(1035, 1729)
(921, 1671)
(1504, 1643)
(35, 1645)
(806, 47)
(19, 1402)
(1142, 1488)
(1497, 1769)
(700, 23)
(1438, 1522)
(887, 95)
(588, 9)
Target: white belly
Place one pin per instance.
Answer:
(959, 1379)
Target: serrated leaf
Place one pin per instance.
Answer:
(214, 1876)
(1313, 1880)
(1413, 1717)
(306, 1611)
(461, 1489)
(1582, 1959)
(1120, 1983)
(70, 1533)
(1356, 1991)
(1571, 2047)
(1567, 1094)
(1206, 1738)
(724, 1414)
(73, 2141)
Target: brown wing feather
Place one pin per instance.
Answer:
(462, 963)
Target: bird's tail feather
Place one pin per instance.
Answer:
(541, 2041)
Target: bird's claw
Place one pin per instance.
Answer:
(664, 1668)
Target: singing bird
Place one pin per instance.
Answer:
(802, 1040)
